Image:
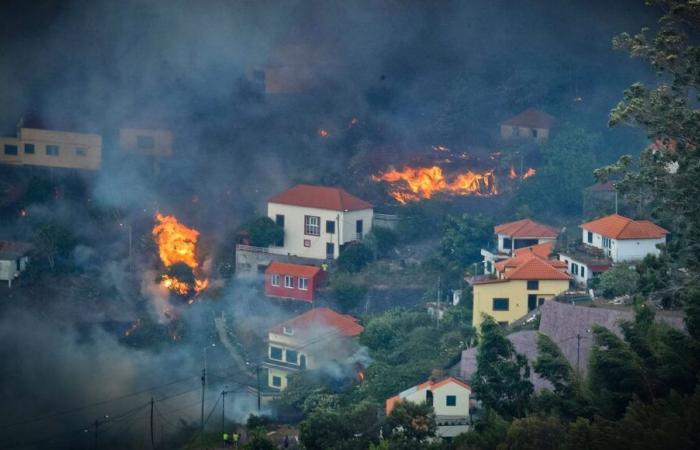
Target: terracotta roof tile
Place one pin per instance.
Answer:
(297, 270)
(615, 226)
(531, 118)
(542, 250)
(316, 319)
(536, 269)
(321, 197)
(526, 228)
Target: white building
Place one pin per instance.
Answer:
(512, 236)
(449, 399)
(13, 259)
(318, 220)
(623, 239)
(531, 124)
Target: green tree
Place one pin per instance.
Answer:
(382, 241)
(464, 237)
(502, 376)
(535, 433)
(264, 231)
(621, 279)
(259, 440)
(488, 433)
(410, 424)
(53, 242)
(348, 292)
(354, 257)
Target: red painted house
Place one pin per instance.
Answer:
(292, 281)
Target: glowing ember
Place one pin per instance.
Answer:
(511, 173)
(354, 122)
(413, 184)
(528, 173)
(322, 132)
(177, 244)
(133, 327)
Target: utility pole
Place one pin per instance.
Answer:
(437, 311)
(201, 427)
(97, 425)
(223, 412)
(578, 354)
(615, 201)
(153, 445)
(257, 374)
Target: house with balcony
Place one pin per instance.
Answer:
(519, 285)
(623, 239)
(448, 397)
(512, 236)
(293, 281)
(14, 257)
(319, 338)
(531, 124)
(37, 144)
(318, 220)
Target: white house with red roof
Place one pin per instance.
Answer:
(449, 398)
(319, 220)
(515, 235)
(317, 338)
(529, 124)
(622, 238)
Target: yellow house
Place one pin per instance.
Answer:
(151, 142)
(52, 148)
(521, 284)
(318, 337)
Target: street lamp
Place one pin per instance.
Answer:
(204, 382)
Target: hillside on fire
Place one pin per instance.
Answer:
(332, 225)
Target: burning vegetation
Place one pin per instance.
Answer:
(417, 183)
(177, 248)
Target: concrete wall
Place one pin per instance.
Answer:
(515, 132)
(297, 243)
(517, 293)
(75, 150)
(8, 268)
(625, 249)
(440, 400)
(162, 141)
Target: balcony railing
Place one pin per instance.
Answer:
(252, 249)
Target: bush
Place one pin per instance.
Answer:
(264, 231)
(347, 292)
(354, 257)
(619, 280)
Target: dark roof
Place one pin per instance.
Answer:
(531, 118)
(14, 249)
(321, 197)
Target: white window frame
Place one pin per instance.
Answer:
(288, 331)
(275, 279)
(312, 225)
(289, 282)
(305, 282)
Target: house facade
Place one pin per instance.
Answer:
(151, 142)
(520, 285)
(448, 397)
(292, 281)
(531, 124)
(319, 220)
(52, 148)
(310, 341)
(512, 236)
(623, 239)
(14, 257)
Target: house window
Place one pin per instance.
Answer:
(312, 225)
(292, 357)
(451, 400)
(288, 331)
(359, 229)
(583, 271)
(303, 284)
(276, 353)
(330, 250)
(279, 220)
(534, 132)
(590, 237)
(307, 242)
(533, 285)
(429, 398)
(29, 149)
(80, 151)
(275, 279)
(330, 226)
(289, 282)
(145, 142)
(574, 268)
(10, 149)
(52, 150)
(276, 381)
(607, 242)
(501, 304)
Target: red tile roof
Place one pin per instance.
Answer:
(531, 118)
(390, 402)
(319, 318)
(615, 226)
(526, 228)
(522, 255)
(321, 197)
(297, 270)
(536, 269)
(542, 250)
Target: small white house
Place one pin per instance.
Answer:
(450, 401)
(319, 220)
(531, 124)
(13, 259)
(623, 239)
(582, 266)
(512, 236)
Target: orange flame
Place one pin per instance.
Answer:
(177, 244)
(322, 132)
(424, 182)
(511, 173)
(530, 172)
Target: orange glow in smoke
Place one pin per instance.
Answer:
(416, 183)
(528, 173)
(322, 132)
(177, 244)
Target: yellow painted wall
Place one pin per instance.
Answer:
(275, 372)
(514, 290)
(162, 141)
(69, 147)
